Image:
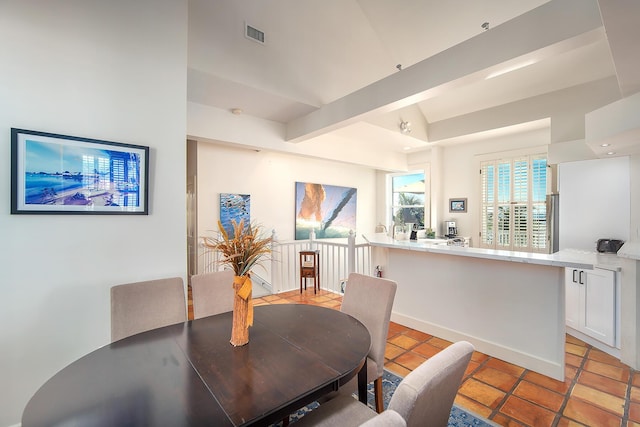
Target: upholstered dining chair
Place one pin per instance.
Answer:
(388, 418)
(142, 306)
(370, 299)
(212, 293)
(424, 398)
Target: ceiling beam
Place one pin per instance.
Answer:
(620, 20)
(555, 26)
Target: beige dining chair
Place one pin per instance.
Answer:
(388, 418)
(424, 398)
(142, 306)
(370, 300)
(212, 293)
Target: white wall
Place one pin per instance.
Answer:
(105, 70)
(270, 178)
(594, 202)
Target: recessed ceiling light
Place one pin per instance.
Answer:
(610, 153)
(406, 148)
(236, 111)
(604, 145)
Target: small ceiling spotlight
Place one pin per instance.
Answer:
(405, 127)
(605, 145)
(610, 153)
(485, 26)
(399, 67)
(236, 111)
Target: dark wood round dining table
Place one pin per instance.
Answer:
(189, 374)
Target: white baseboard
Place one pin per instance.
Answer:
(543, 366)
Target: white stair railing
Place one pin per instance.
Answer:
(338, 258)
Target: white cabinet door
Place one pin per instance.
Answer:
(572, 298)
(599, 305)
(590, 303)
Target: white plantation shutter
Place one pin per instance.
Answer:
(487, 228)
(503, 221)
(513, 213)
(520, 204)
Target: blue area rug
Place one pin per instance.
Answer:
(459, 417)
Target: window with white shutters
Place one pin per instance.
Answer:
(513, 212)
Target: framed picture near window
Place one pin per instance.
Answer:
(457, 205)
(61, 174)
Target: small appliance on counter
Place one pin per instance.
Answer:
(464, 242)
(414, 232)
(450, 229)
(609, 246)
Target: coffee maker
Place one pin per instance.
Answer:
(450, 229)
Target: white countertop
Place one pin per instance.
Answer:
(630, 250)
(566, 258)
(598, 260)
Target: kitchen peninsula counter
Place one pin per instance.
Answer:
(510, 305)
(568, 258)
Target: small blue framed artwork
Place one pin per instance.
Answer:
(329, 210)
(234, 207)
(458, 205)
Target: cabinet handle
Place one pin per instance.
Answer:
(574, 276)
(581, 273)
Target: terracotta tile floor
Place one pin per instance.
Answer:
(598, 389)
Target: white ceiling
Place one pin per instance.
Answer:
(317, 52)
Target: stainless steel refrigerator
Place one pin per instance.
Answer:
(553, 219)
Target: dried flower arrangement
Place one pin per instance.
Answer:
(247, 248)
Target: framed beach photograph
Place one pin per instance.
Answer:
(328, 210)
(457, 205)
(62, 174)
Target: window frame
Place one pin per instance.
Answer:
(391, 207)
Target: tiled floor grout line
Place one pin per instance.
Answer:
(496, 410)
(567, 395)
(507, 395)
(627, 400)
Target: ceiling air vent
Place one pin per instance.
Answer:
(254, 34)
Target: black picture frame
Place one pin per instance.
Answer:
(63, 174)
(458, 205)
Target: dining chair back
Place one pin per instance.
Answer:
(142, 306)
(370, 300)
(425, 396)
(345, 411)
(387, 418)
(212, 293)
